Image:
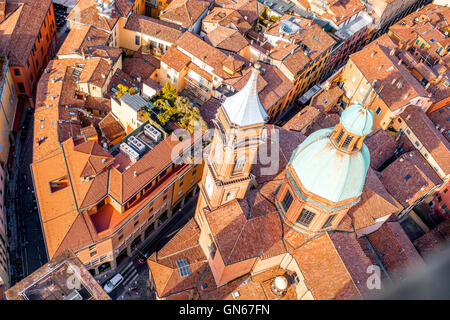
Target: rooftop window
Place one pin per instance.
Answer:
(58, 184)
(407, 177)
(183, 267)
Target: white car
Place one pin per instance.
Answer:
(113, 283)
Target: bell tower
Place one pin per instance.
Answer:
(239, 130)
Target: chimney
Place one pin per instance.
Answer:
(392, 52)
(393, 81)
(400, 62)
(135, 173)
(373, 54)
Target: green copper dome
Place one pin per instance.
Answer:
(329, 172)
(357, 120)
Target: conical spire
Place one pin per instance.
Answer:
(244, 108)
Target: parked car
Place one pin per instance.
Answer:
(113, 283)
(143, 258)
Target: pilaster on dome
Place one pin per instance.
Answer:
(244, 108)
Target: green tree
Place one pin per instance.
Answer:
(181, 112)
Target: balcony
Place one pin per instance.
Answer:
(197, 85)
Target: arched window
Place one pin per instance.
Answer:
(347, 142)
(240, 163)
(339, 137)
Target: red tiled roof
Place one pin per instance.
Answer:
(20, 28)
(184, 12)
(163, 267)
(441, 118)
(325, 273)
(210, 55)
(175, 59)
(244, 229)
(160, 29)
(381, 145)
(375, 62)
(427, 134)
(408, 178)
(375, 203)
(395, 250)
(85, 12)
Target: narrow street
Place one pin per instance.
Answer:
(27, 249)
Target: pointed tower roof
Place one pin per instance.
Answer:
(244, 108)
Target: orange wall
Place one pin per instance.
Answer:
(29, 74)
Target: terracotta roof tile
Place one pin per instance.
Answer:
(375, 203)
(85, 12)
(20, 29)
(408, 178)
(384, 67)
(163, 265)
(226, 39)
(81, 38)
(111, 128)
(441, 118)
(184, 12)
(381, 146)
(427, 134)
(325, 273)
(236, 235)
(160, 29)
(353, 258)
(210, 55)
(175, 59)
(395, 250)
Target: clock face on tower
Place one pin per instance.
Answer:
(208, 186)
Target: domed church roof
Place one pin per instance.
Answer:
(357, 119)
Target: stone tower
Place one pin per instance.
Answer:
(239, 130)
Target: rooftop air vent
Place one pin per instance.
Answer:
(129, 152)
(152, 133)
(136, 145)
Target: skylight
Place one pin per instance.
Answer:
(183, 267)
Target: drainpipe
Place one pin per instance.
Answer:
(377, 258)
